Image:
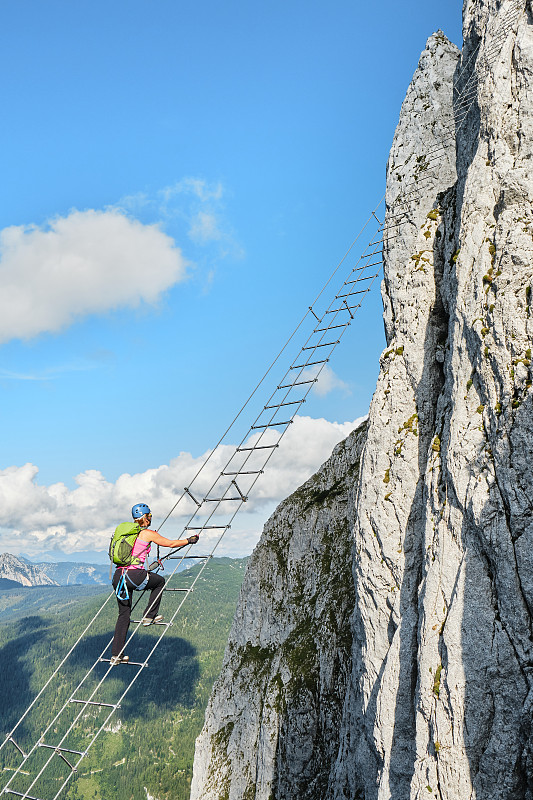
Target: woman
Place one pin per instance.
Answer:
(136, 577)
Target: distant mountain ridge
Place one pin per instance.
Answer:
(23, 573)
(39, 625)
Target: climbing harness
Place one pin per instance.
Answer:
(121, 591)
(86, 707)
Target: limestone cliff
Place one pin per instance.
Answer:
(21, 572)
(438, 699)
(272, 725)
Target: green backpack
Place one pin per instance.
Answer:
(121, 546)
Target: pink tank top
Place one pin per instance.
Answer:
(140, 551)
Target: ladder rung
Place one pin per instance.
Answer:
(65, 749)
(279, 405)
(208, 556)
(342, 308)
(311, 363)
(352, 294)
(167, 589)
(220, 499)
(259, 446)
(324, 330)
(415, 186)
(251, 471)
(358, 280)
(302, 383)
(93, 702)
(138, 622)
(270, 424)
(361, 267)
(184, 557)
(324, 344)
(465, 102)
(132, 663)
(205, 528)
(397, 224)
(20, 794)
(436, 149)
(396, 236)
(434, 158)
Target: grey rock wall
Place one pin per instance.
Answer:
(429, 692)
(273, 721)
(441, 707)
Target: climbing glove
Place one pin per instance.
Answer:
(193, 539)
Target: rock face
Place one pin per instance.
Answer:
(22, 572)
(272, 726)
(438, 702)
(65, 573)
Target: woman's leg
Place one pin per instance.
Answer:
(123, 621)
(155, 584)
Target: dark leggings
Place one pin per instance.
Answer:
(135, 579)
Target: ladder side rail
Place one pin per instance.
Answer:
(267, 459)
(274, 362)
(287, 373)
(247, 436)
(304, 366)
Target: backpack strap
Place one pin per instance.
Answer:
(136, 561)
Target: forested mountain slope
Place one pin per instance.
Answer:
(151, 740)
(63, 573)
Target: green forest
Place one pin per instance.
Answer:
(147, 747)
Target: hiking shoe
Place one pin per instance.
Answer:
(122, 659)
(150, 620)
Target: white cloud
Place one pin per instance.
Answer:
(327, 380)
(87, 262)
(204, 228)
(198, 187)
(39, 518)
(195, 208)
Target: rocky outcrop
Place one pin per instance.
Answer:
(68, 573)
(65, 573)
(439, 701)
(272, 725)
(22, 572)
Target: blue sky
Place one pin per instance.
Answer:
(202, 166)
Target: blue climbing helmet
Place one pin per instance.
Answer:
(139, 510)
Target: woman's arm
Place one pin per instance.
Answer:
(155, 537)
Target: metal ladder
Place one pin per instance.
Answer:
(86, 711)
